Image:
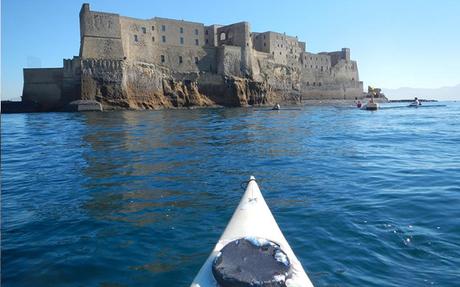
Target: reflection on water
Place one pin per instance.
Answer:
(140, 198)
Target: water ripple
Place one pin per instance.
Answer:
(140, 198)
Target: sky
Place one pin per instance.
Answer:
(411, 43)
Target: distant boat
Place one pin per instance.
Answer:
(252, 251)
(414, 104)
(371, 106)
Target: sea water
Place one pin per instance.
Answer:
(132, 198)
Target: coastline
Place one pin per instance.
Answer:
(12, 107)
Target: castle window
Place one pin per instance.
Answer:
(316, 67)
(206, 32)
(163, 39)
(265, 44)
(162, 58)
(144, 30)
(280, 53)
(308, 83)
(222, 36)
(180, 59)
(321, 68)
(182, 40)
(207, 41)
(153, 28)
(314, 84)
(163, 28)
(196, 31)
(135, 38)
(319, 84)
(153, 39)
(197, 42)
(264, 37)
(196, 60)
(181, 30)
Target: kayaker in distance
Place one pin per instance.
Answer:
(276, 107)
(416, 102)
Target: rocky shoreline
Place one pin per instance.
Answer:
(9, 107)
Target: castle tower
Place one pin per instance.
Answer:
(100, 35)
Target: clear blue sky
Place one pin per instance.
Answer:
(411, 43)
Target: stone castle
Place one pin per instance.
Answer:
(161, 63)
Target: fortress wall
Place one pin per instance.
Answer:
(303, 46)
(235, 35)
(43, 86)
(316, 62)
(259, 58)
(143, 42)
(192, 33)
(194, 60)
(100, 35)
(336, 56)
(260, 42)
(229, 61)
(141, 48)
(101, 48)
(343, 91)
(316, 78)
(210, 35)
(345, 71)
(158, 32)
(134, 63)
(71, 81)
(102, 80)
(99, 24)
(285, 49)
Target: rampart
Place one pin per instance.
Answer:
(161, 63)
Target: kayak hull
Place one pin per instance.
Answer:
(252, 218)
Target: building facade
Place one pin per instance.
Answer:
(116, 52)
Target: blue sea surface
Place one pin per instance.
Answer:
(132, 198)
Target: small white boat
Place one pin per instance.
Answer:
(253, 222)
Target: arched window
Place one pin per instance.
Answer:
(223, 36)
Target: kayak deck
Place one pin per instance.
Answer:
(252, 219)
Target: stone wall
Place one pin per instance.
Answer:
(71, 80)
(43, 86)
(100, 35)
(153, 63)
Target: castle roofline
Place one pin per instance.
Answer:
(176, 20)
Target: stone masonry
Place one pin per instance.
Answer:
(165, 63)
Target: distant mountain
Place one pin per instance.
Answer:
(444, 93)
